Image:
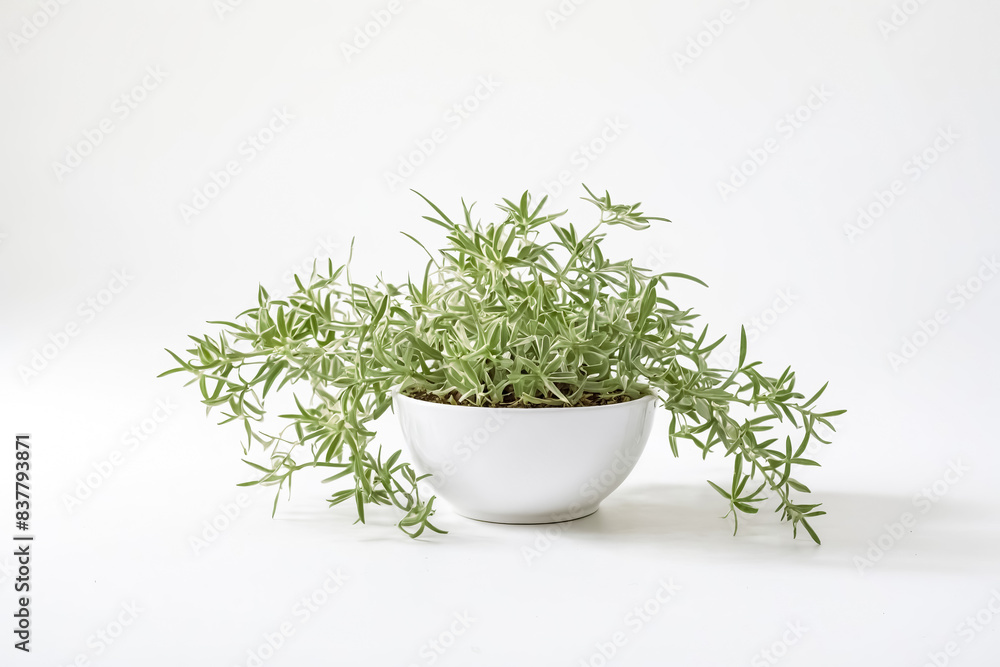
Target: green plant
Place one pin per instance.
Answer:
(522, 312)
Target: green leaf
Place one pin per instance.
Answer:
(674, 274)
(812, 533)
(725, 494)
(798, 486)
(743, 347)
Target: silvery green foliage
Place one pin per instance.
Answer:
(522, 312)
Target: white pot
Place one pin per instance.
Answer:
(524, 465)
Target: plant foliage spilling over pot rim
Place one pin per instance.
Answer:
(520, 312)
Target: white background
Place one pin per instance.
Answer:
(537, 596)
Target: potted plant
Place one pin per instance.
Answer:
(525, 368)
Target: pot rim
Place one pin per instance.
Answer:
(646, 397)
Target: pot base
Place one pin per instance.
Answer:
(532, 520)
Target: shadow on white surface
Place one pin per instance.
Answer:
(950, 536)
(859, 532)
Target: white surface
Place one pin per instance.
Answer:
(775, 253)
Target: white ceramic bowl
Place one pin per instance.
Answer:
(524, 465)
